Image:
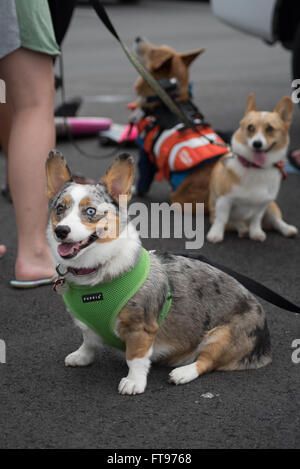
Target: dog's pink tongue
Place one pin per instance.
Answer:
(65, 249)
(259, 158)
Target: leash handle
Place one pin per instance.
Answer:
(252, 285)
(101, 12)
(148, 77)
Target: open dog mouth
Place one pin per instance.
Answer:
(260, 156)
(70, 250)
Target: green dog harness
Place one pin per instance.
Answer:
(99, 305)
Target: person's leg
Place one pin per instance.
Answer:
(296, 156)
(2, 250)
(30, 82)
(5, 119)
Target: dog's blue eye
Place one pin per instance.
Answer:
(251, 128)
(90, 211)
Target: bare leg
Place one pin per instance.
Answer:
(30, 83)
(296, 156)
(5, 119)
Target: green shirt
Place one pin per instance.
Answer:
(99, 305)
(35, 26)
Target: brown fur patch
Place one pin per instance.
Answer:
(217, 353)
(221, 183)
(194, 188)
(66, 201)
(273, 211)
(53, 219)
(85, 202)
(137, 334)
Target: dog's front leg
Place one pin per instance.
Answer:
(138, 354)
(221, 217)
(255, 229)
(85, 355)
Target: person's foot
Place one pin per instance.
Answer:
(34, 266)
(295, 157)
(2, 250)
(5, 192)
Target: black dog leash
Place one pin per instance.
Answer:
(254, 287)
(148, 77)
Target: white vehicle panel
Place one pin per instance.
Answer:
(251, 16)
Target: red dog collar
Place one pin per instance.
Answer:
(249, 164)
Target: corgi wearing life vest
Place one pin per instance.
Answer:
(168, 150)
(245, 185)
(155, 306)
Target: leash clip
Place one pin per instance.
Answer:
(61, 274)
(60, 286)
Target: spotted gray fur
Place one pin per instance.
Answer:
(223, 301)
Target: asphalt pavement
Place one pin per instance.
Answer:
(44, 404)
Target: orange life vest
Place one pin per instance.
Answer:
(178, 149)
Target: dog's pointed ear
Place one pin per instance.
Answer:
(160, 59)
(189, 57)
(119, 177)
(285, 109)
(57, 173)
(251, 105)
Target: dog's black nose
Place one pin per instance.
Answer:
(138, 39)
(62, 231)
(257, 144)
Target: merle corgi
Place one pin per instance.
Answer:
(212, 322)
(245, 184)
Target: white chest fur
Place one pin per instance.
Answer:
(258, 187)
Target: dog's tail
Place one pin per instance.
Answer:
(252, 285)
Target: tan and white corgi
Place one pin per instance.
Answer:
(184, 312)
(245, 184)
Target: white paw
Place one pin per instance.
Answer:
(79, 358)
(258, 235)
(131, 387)
(215, 236)
(184, 374)
(290, 231)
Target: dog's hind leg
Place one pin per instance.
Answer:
(214, 352)
(230, 347)
(273, 220)
(85, 355)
